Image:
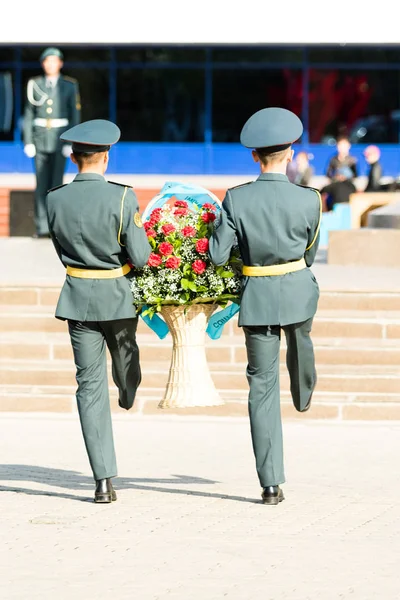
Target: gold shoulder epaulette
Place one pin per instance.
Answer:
(71, 79)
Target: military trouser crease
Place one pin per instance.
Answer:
(89, 340)
(49, 167)
(263, 350)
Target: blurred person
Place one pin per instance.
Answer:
(372, 155)
(52, 105)
(342, 170)
(304, 171)
(343, 158)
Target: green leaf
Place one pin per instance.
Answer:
(192, 286)
(227, 274)
(185, 284)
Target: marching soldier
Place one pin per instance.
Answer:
(97, 232)
(53, 105)
(277, 227)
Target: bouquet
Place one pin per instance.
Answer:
(179, 270)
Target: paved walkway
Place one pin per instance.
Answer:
(188, 523)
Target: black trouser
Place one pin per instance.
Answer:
(49, 168)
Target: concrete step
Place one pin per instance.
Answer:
(334, 406)
(331, 378)
(338, 324)
(228, 349)
(47, 295)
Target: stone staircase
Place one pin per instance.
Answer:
(356, 337)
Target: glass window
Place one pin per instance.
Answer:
(6, 106)
(353, 54)
(363, 104)
(256, 54)
(165, 105)
(94, 87)
(6, 53)
(160, 54)
(238, 94)
(71, 53)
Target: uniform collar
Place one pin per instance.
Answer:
(89, 177)
(273, 177)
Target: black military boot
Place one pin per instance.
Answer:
(105, 492)
(272, 495)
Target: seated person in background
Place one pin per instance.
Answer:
(339, 190)
(342, 169)
(299, 170)
(372, 155)
(341, 159)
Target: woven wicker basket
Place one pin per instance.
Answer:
(189, 380)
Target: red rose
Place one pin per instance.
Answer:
(147, 225)
(209, 206)
(208, 217)
(168, 228)
(155, 260)
(165, 248)
(199, 266)
(181, 212)
(189, 231)
(181, 203)
(202, 246)
(151, 233)
(155, 216)
(172, 262)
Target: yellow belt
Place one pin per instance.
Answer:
(98, 274)
(272, 270)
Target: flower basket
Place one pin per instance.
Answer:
(189, 380)
(180, 283)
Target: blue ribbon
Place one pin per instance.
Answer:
(215, 325)
(156, 323)
(218, 320)
(194, 195)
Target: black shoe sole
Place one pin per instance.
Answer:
(273, 500)
(103, 498)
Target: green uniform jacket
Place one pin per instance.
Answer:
(93, 228)
(275, 221)
(61, 102)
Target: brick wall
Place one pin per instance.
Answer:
(4, 212)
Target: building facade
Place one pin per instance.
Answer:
(181, 107)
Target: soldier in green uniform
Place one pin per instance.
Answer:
(52, 106)
(276, 224)
(98, 233)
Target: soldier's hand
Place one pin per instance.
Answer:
(30, 150)
(66, 150)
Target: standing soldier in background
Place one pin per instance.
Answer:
(53, 105)
(276, 224)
